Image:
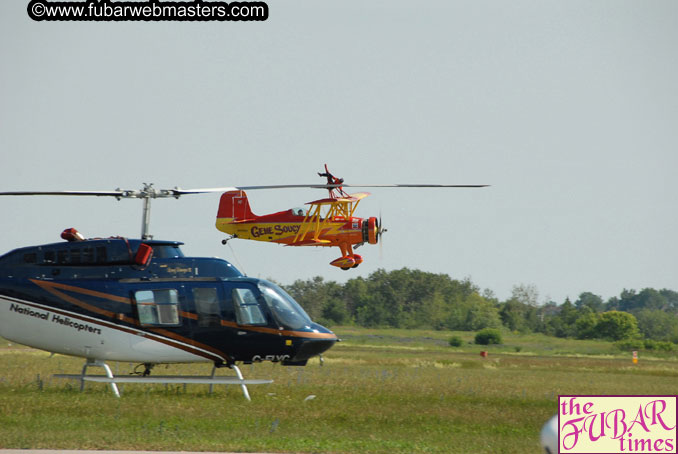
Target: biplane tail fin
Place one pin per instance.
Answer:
(234, 206)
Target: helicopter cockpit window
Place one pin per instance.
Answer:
(158, 307)
(247, 310)
(286, 311)
(207, 306)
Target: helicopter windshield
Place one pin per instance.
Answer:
(286, 311)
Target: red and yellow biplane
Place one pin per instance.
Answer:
(326, 222)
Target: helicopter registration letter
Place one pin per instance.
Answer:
(617, 424)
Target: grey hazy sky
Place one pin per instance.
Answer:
(568, 109)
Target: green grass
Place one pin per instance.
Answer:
(379, 391)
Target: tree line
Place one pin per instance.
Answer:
(408, 298)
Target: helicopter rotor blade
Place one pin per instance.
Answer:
(116, 193)
(149, 192)
(411, 185)
(323, 186)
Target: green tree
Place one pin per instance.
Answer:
(616, 325)
(335, 313)
(671, 298)
(563, 324)
(416, 299)
(315, 295)
(481, 314)
(588, 299)
(518, 316)
(648, 298)
(586, 325)
(657, 325)
(355, 293)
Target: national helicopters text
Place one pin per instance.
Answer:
(55, 318)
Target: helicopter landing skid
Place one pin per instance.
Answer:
(168, 379)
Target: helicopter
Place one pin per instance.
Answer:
(120, 299)
(142, 300)
(328, 222)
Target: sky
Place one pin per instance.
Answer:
(568, 109)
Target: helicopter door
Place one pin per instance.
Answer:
(247, 309)
(206, 300)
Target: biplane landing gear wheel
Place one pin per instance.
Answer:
(345, 262)
(226, 240)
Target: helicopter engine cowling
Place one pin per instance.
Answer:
(371, 230)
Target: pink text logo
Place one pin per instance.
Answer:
(617, 424)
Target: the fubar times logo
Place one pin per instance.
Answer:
(617, 424)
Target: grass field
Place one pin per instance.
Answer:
(379, 391)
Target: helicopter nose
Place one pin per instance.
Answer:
(318, 342)
(313, 347)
